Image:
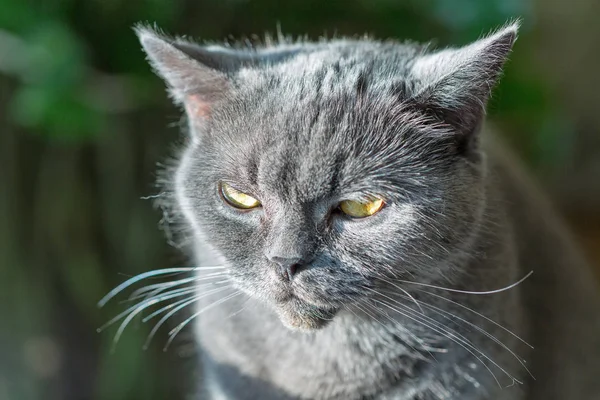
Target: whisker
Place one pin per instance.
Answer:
(425, 346)
(469, 292)
(240, 310)
(179, 327)
(148, 288)
(165, 308)
(445, 334)
(145, 275)
(480, 315)
(445, 314)
(403, 291)
(447, 331)
(452, 335)
(147, 303)
(159, 287)
(170, 274)
(184, 303)
(131, 316)
(421, 343)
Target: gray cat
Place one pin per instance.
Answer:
(360, 235)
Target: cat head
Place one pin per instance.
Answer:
(321, 172)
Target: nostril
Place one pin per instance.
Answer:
(292, 270)
(288, 271)
(287, 267)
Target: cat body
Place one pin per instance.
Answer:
(428, 297)
(359, 358)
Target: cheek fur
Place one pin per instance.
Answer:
(181, 192)
(374, 240)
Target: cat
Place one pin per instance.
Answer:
(360, 233)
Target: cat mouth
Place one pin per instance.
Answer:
(298, 311)
(299, 315)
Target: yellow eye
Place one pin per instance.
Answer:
(358, 209)
(238, 199)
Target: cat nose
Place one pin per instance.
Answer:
(288, 266)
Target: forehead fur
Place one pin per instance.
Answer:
(328, 120)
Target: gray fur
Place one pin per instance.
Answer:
(303, 126)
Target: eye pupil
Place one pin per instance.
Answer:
(236, 198)
(359, 209)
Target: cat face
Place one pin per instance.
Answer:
(322, 173)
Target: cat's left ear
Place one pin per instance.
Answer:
(455, 84)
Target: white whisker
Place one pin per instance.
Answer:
(240, 310)
(145, 275)
(445, 314)
(421, 343)
(466, 291)
(159, 287)
(147, 303)
(446, 334)
(178, 308)
(132, 315)
(403, 291)
(165, 308)
(450, 334)
(179, 327)
(480, 315)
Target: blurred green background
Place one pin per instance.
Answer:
(83, 124)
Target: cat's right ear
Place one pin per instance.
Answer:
(192, 79)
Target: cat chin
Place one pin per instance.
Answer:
(301, 323)
(299, 316)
